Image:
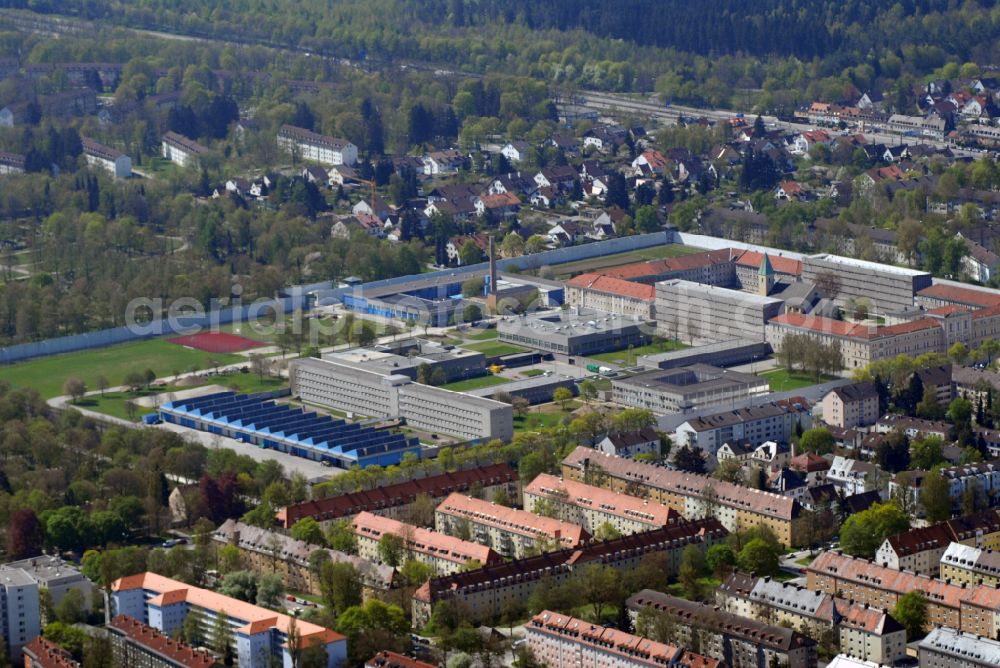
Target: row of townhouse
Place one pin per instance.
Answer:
(921, 549)
(483, 594)
(973, 609)
(443, 553)
(862, 631)
(738, 640)
(104, 157)
(512, 533)
(309, 145)
(692, 496)
(592, 507)
(397, 500)
(984, 477)
(181, 150)
(264, 551)
(560, 641)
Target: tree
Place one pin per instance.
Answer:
(512, 245)
(340, 585)
(416, 573)
(241, 585)
(600, 585)
(391, 549)
(72, 608)
(473, 287)
(341, 537)
(730, 470)
(270, 590)
(24, 535)
(927, 452)
(472, 313)
(588, 390)
(222, 637)
(562, 396)
(863, 533)
(646, 219)
(935, 497)
(760, 557)
(74, 388)
(911, 612)
(470, 253)
(193, 628)
(606, 531)
(689, 459)
(818, 440)
(309, 531)
(959, 353)
(721, 559)
(632, 419)
(690, 571)
(893, 453)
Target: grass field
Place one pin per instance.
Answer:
(629, 357)
(536, 421)
(114, 403)
(493, 349)
(48, 374)
(485, 335)
(475, 383)
(571, 269)
(782, 380)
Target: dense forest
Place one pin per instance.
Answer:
(716, 52)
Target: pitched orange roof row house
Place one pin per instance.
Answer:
(604, 500)
(515, 521)
(423, 540)
(614, 286)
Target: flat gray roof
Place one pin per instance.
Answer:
(688, 379)
(865, 264)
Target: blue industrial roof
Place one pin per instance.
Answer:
(259, 414)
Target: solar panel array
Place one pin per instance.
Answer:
(258, 419)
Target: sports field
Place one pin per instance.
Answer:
(48, 374)
(216, 342)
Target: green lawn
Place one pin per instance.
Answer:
(485, 335)
(708, 586)
(475, 383)
(629, 358)
(531, 373)
(48, 374)
(114, 403)
(537, 421)
(782, 380)
(494, 349)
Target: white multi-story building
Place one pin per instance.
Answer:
(178, 148)
(445, 554)
(57, 576)
(559, 641)
(592, 507)
(513, 533)
(754, 425)
(947, 648)
(851, 475)
(309, 145)
(110, 160)
(20, 612)
(259, 636)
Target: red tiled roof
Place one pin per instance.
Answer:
(438, 486)
(851, 330)
(160, 644)
(423, 540)
(781, 264)
(679, 263)
(960, 295)
(614, 286)
(613, 503)
(515, 521)
(44, 653)
(388, 659)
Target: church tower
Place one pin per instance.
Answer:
(765, 277)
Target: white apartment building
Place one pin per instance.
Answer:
(312, 146)
(370, 393)
(56, 575)
(178, 148)
(591, 507)
(513, 533)
(104, 157)
(20, 612)
(851, 475)
(756, 425)
(11, 163)
(445, 554)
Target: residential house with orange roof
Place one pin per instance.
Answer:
(260, 635)
(593, 507)
(511, 532)
(445, 554)
(560, 641)
(613, 295)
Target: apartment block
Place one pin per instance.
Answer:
(259, 636)
(970, 565)
(693, 496)
(850, 406)
(178, 148)
(11, 163)
(43, 653)
(397, 500)
(984, 476)
(137, 645)
(697, 312)
(374, 394)
(264, 551)
(885, 287)
(56, 575)
(971, 609)
(755, 425)
(445, 554)
(510, 532)
(484, 593)
(612, 295)
(20, 612)
(740, 642)
(558, 641)
(686, 388)
(865, 632)
(592, 507)
(948, 648)
(109, 159)
(918, 550)
(312, 146)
